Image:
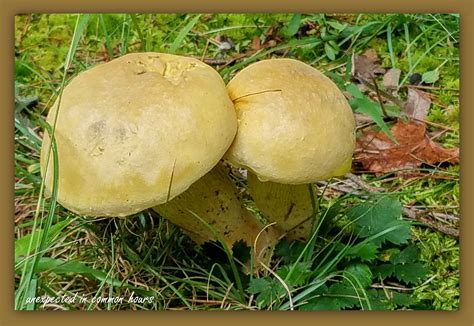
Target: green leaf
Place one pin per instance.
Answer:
(430, 77)
(402, 299)
(408, 255)
(182, 34)
(358, 273)
(383, 271)
(410, 273)
(335, 46)
(355, 91)
(267, 290)
(299, 276)
(22, 244)
(337, 25)
(366, 252)
(337, 297)
(322, 304)
(345, 296)
(289, 251)
(378, 300)
(374, 216)
(373, 110)
(258, 285)
(293, 26)
(330, 51)
(59, 266)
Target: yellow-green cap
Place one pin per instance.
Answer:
(137, 131)
(295, 125)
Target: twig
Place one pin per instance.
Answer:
(377, 91)
(412, 214)
(384, 94)
(431, 87)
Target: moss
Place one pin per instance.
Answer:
(441, 254)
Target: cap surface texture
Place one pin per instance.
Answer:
(295, 125)
(137, 131)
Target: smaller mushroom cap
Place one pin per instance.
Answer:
(295, 125)
(137, 131)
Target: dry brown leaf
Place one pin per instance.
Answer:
(378, 154)
(366, 66)
(256, 44)
(417, 104)
(392, 78)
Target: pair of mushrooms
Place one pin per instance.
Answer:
(148, 130)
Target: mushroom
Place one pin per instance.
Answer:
(295, 128)
(138, 131)
(211, 208)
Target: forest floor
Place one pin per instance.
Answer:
(400, 73)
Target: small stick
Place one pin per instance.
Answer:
(380, 98)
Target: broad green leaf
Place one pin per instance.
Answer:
(293, 26)
(322, 304)
(330, 51)
(337, 297)
(376, 215)
(335, 46)
(346, 296)
(383, 271)
(258, 285)
(366, 251)
(402, 299)
(408, 255)
(21, 245)
(267, 290)
(378, 299)
(355, 91)
(289, 251)
(59, 266)
(360, 273)
(430, 77)
(299, 276)
(337, 25)
(410, 273)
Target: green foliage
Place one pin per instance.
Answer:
(375, 216)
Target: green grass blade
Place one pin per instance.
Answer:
(138, 29)
(182, 34)
(108, 43)
(28, 271)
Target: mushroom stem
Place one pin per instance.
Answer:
(215, 200)
(290, 206)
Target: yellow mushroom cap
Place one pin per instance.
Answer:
(295, 125)
(137, 131)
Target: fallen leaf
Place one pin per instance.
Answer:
(378, 154)
(417, 104)
(392, 78)
(256, 44)
(366, 66)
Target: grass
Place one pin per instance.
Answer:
(59, 254)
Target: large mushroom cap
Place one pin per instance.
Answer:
(295, 125)
(137, 131)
